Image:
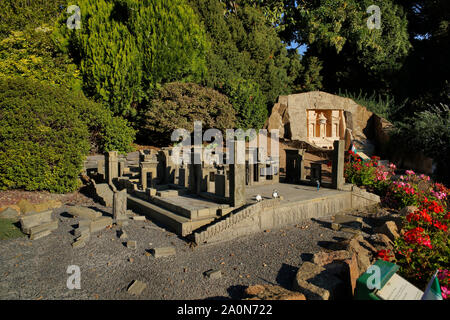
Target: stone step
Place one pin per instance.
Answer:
(177, 223)
(185, 210)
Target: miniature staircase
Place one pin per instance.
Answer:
(180, 219)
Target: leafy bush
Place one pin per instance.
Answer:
(19, 15)
(32, 55)
(178, 105)
(382, 105)
(245, 46)
(43, 141)
(425, 245)
(369, 173)
(248, 101)
(429, 132)
(45, 133)
(125, 48)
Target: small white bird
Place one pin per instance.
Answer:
(258, 198)
(275, 194)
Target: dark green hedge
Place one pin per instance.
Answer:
(45, 134)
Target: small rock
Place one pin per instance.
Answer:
(132, 244)
(78, 244)
(137, 287)
(139, 218)
(213, 274)
(163, 252)
(407, 210)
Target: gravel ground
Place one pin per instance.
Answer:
(38, 269)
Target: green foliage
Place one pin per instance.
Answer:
(127, 47)
(425, 245)
(107, 132)
(336, 33)
(178, 105)
(32, 55)
(429, 132)
(20, 15)
(45, 132)
(249, 103)
(245, 46)
(9, 230)
(382, 105)
(43, 142)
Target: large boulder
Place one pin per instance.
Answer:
(317, 283)
(389, 228)
(289, 115)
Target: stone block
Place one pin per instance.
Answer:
(48, 226)
(83, 212)
(78, 244)
(139, 218)
(84, 237)
(163, 252)
(213, 274)
(132, 244)
(38, 235)
(136, 287)
(35, 218)
(81, 231)
(100, 224)
(120, 205)
(84, 223)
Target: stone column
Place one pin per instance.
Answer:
(120, 205)
(101, 167)
(145, 167)
(112, 166)
(337, 173)
(237, 180)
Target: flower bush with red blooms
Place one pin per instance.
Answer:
(368, 173)
(424, 246)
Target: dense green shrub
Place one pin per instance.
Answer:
(125, 48)
(43, 141)
(45, 133)
(245, 46)
(429, 132)
(20, 15)
(178, 105)
(249, 102)
(32, 54)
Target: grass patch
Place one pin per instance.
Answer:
(9, 229)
